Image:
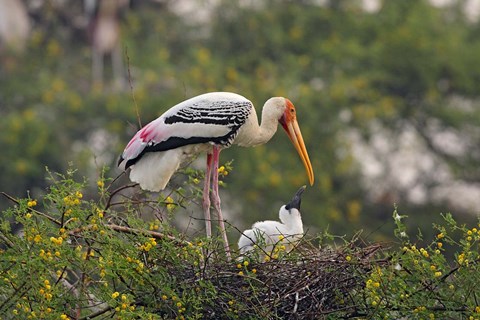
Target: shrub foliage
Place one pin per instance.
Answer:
(68, 257)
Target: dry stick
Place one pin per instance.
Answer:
(7, 241)
(114, 192)
(32, 210)
(96, 314)
(131, 87)
(114, 180)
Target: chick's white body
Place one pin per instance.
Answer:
(267, 234)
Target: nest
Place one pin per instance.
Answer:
(306, 284)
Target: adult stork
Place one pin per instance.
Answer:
(207, 123)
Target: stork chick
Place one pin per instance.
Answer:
(268, 234)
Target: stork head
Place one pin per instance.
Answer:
(292, 209)
(288, 120)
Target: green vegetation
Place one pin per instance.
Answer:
(101, 258)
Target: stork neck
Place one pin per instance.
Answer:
(266, 129)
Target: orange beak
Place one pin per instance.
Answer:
(290, 124)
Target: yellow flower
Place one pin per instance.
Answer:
(254, 270)
(64, 317)
(369, 283)
(245, 263)
(440, 235)
(37, 238)
(438, 274)
(240, 273)
(348, 258)
(281, 237)
(231, 302)
(31, 203)
(115, 295)
(164, 297)
(57, 241)
(170, 203)
(100, 184)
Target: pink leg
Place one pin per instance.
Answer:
(216, 199)
(206, 197)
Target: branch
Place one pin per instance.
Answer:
(114, 192)
(32, 210)
(153, 234)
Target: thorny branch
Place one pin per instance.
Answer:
(32, 210)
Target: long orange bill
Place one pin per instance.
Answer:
(290, 124)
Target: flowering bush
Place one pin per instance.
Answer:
(75, 256)
(434, 280)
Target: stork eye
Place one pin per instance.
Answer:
(292, 110)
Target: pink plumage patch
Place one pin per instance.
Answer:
(146, 132)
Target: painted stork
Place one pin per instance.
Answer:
(267, 234)
(207, 123)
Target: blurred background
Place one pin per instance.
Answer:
(387, 95)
